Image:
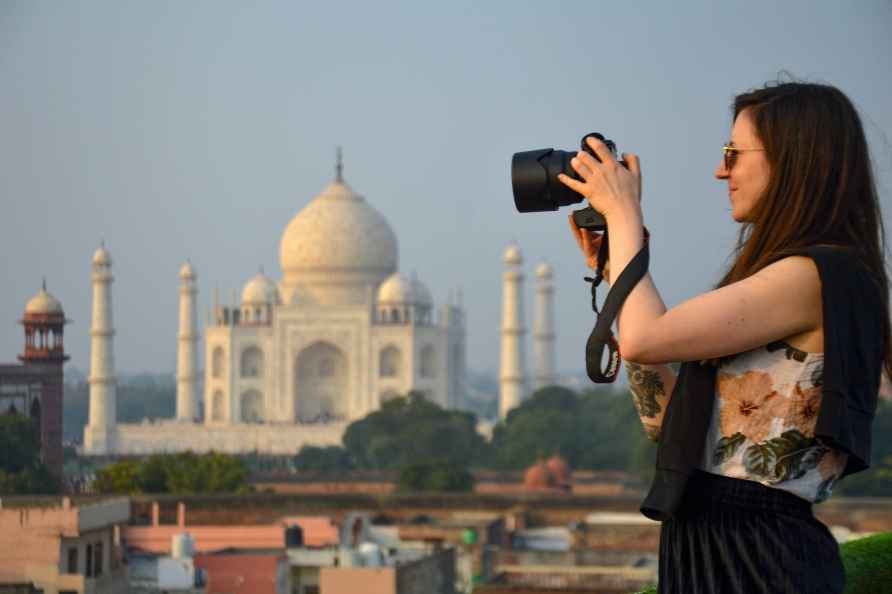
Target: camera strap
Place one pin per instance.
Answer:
(602, 335)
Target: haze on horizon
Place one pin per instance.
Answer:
(198, 130)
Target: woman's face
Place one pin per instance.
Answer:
(748, 177)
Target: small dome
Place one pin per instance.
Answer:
(260, 290)
(559, 469)
(396, 289)
(187, 271)
(45, 304)
(537, 477)
(544, 271)
(101, 256)
(421, 292)
(513, 255)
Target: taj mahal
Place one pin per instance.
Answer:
(295, 361)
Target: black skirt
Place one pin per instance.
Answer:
(733, 536)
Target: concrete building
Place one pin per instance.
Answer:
(245, 571)
(432, 574)
(294, 361)
(175, 573)
(157, 537)
(63, 548)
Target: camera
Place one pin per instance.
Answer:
(538, 189)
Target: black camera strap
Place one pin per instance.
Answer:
(602, 335)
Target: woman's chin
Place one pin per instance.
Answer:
(739, 215)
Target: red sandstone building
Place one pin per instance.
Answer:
(34, 387)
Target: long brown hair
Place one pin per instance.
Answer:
(821, 188)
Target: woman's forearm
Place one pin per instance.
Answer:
(643, 305)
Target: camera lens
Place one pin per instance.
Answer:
(535, 183)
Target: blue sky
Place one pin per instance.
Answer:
(176, 130)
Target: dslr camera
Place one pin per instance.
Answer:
(534, 179)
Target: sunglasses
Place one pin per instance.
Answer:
(730, 154)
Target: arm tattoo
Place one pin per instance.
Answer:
(646, 385)
(652, 431)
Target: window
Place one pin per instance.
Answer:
(252, 407)
(217, 406)
(97, 559)
(89, 565)
(217, 363)
(252, 362)
(428, 362)
(389, 362)
(72, 560)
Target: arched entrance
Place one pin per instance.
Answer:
(320, 384)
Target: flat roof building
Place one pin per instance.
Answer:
(60, 547)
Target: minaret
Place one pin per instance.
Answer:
(99, 434)
(512, 381)
(187, 347)
(543, 328)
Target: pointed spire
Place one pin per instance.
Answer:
(44, 284)
(339, 166)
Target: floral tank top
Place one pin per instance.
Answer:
(763, 424)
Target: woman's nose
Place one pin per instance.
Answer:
(721, 172)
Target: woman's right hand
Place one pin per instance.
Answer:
(589, 243)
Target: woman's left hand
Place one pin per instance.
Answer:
(608, 186)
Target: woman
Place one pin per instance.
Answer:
(781, 362)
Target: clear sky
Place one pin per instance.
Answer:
(175, 130)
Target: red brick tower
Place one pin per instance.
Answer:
(44, 356)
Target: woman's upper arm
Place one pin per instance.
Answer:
(781, 300)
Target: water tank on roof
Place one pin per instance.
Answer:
(182, 546)
(294, 537)
(371, 554)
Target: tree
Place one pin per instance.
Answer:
(121, 477)
(331, 458)
(877, 480)
(186, 473)
(413, 430)
(435, 476)
(21, 470)
(597, 429)
(19, 443)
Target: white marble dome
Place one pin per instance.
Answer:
(44, 304)
(337, 234)
(421, 292)
(396, 290)
(260, 290)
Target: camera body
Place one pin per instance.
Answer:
(534, 179)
